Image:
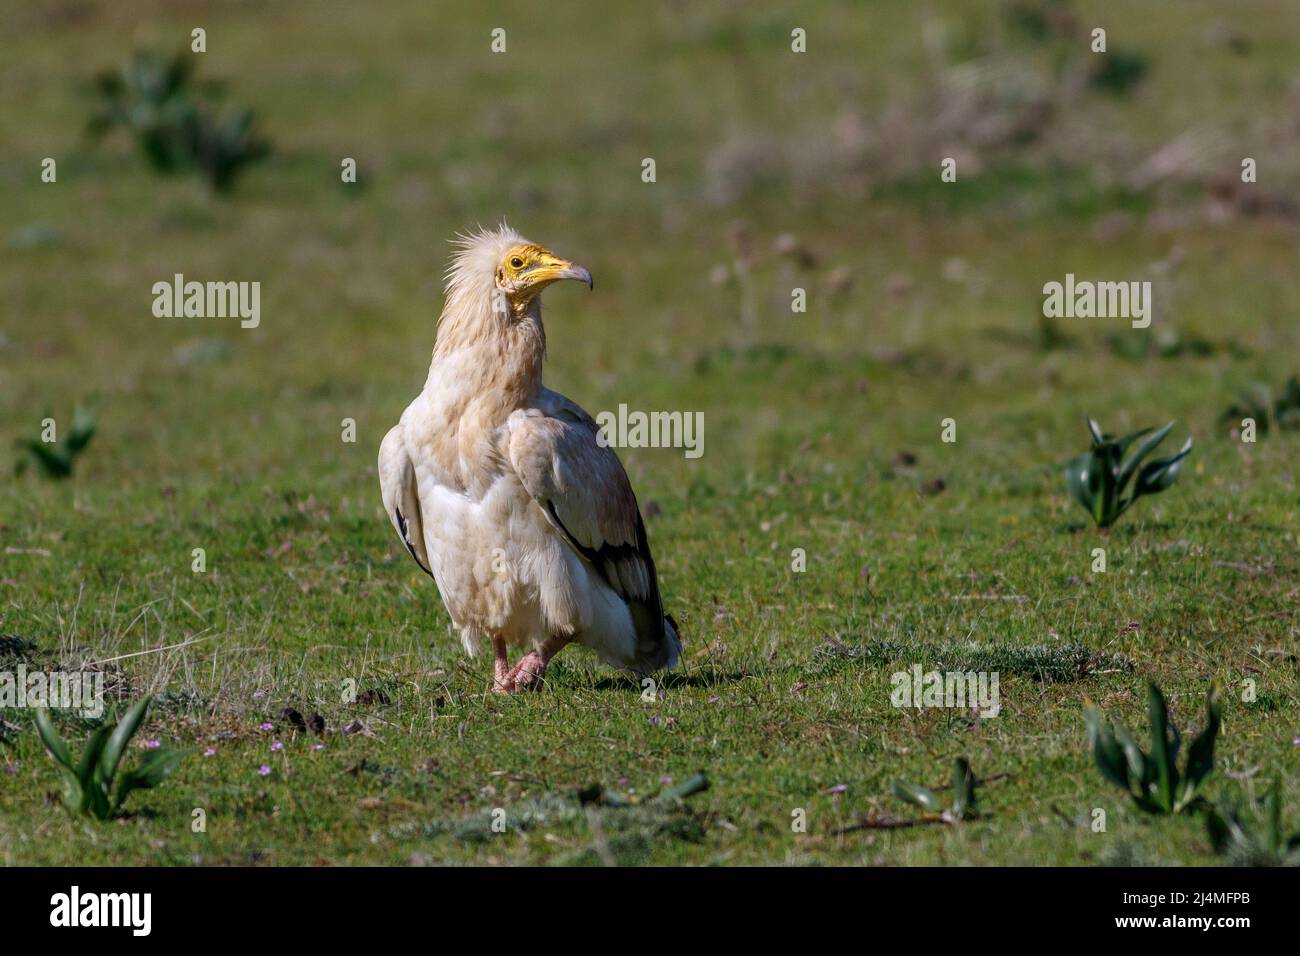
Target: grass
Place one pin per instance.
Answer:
(822, 433)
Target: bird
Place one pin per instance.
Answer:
(505, 492)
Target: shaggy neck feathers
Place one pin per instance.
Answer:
(497, 346)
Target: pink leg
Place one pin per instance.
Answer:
(502, 679)
(528, 673)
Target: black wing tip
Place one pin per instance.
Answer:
(406, 540)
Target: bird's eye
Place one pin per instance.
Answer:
(516, 262)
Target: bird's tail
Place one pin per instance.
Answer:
(658, 652)
(672, 642)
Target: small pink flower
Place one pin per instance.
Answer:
(267, 725)
(1296, 741)
(665, 781)
(264, 770)
(317, 746)
(259, 693)
(11, 768)
(210, 752)
(152, 744)
(277, 746)
(839, 788)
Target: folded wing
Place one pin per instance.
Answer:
(586, 495)
(401, 495)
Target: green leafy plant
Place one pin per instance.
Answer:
(1287, 408)
(88, 783)
(1248, 841)
(1119, 71)
(1153, 779)
(964, 805)
(1172, 342)
(1130, 347)
(171, 120)
(149, 96)
(1099, 478)
(55, 459)
(597, 794)
(1050, 335)
(1256, 401)
(225, 145)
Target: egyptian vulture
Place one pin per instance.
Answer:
(501, 492)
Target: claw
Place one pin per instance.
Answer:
(529, 672)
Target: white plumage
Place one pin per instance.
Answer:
(499, 489)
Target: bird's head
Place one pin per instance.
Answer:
(527, 268)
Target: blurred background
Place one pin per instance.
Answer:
(774, 170)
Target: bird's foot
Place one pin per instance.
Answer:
(529, 672)
(524, 676)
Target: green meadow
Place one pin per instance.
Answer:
(823, 442)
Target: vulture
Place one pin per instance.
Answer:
(502, 491)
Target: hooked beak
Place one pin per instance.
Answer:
(553, 269)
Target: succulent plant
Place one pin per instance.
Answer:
(1248, 841)
(1099, 478)
(1153, 779)
(1256, 401)
(168, 114)
(88, 783)
(964, 804)
(56, 458)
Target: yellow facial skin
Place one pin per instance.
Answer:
(528, 269)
